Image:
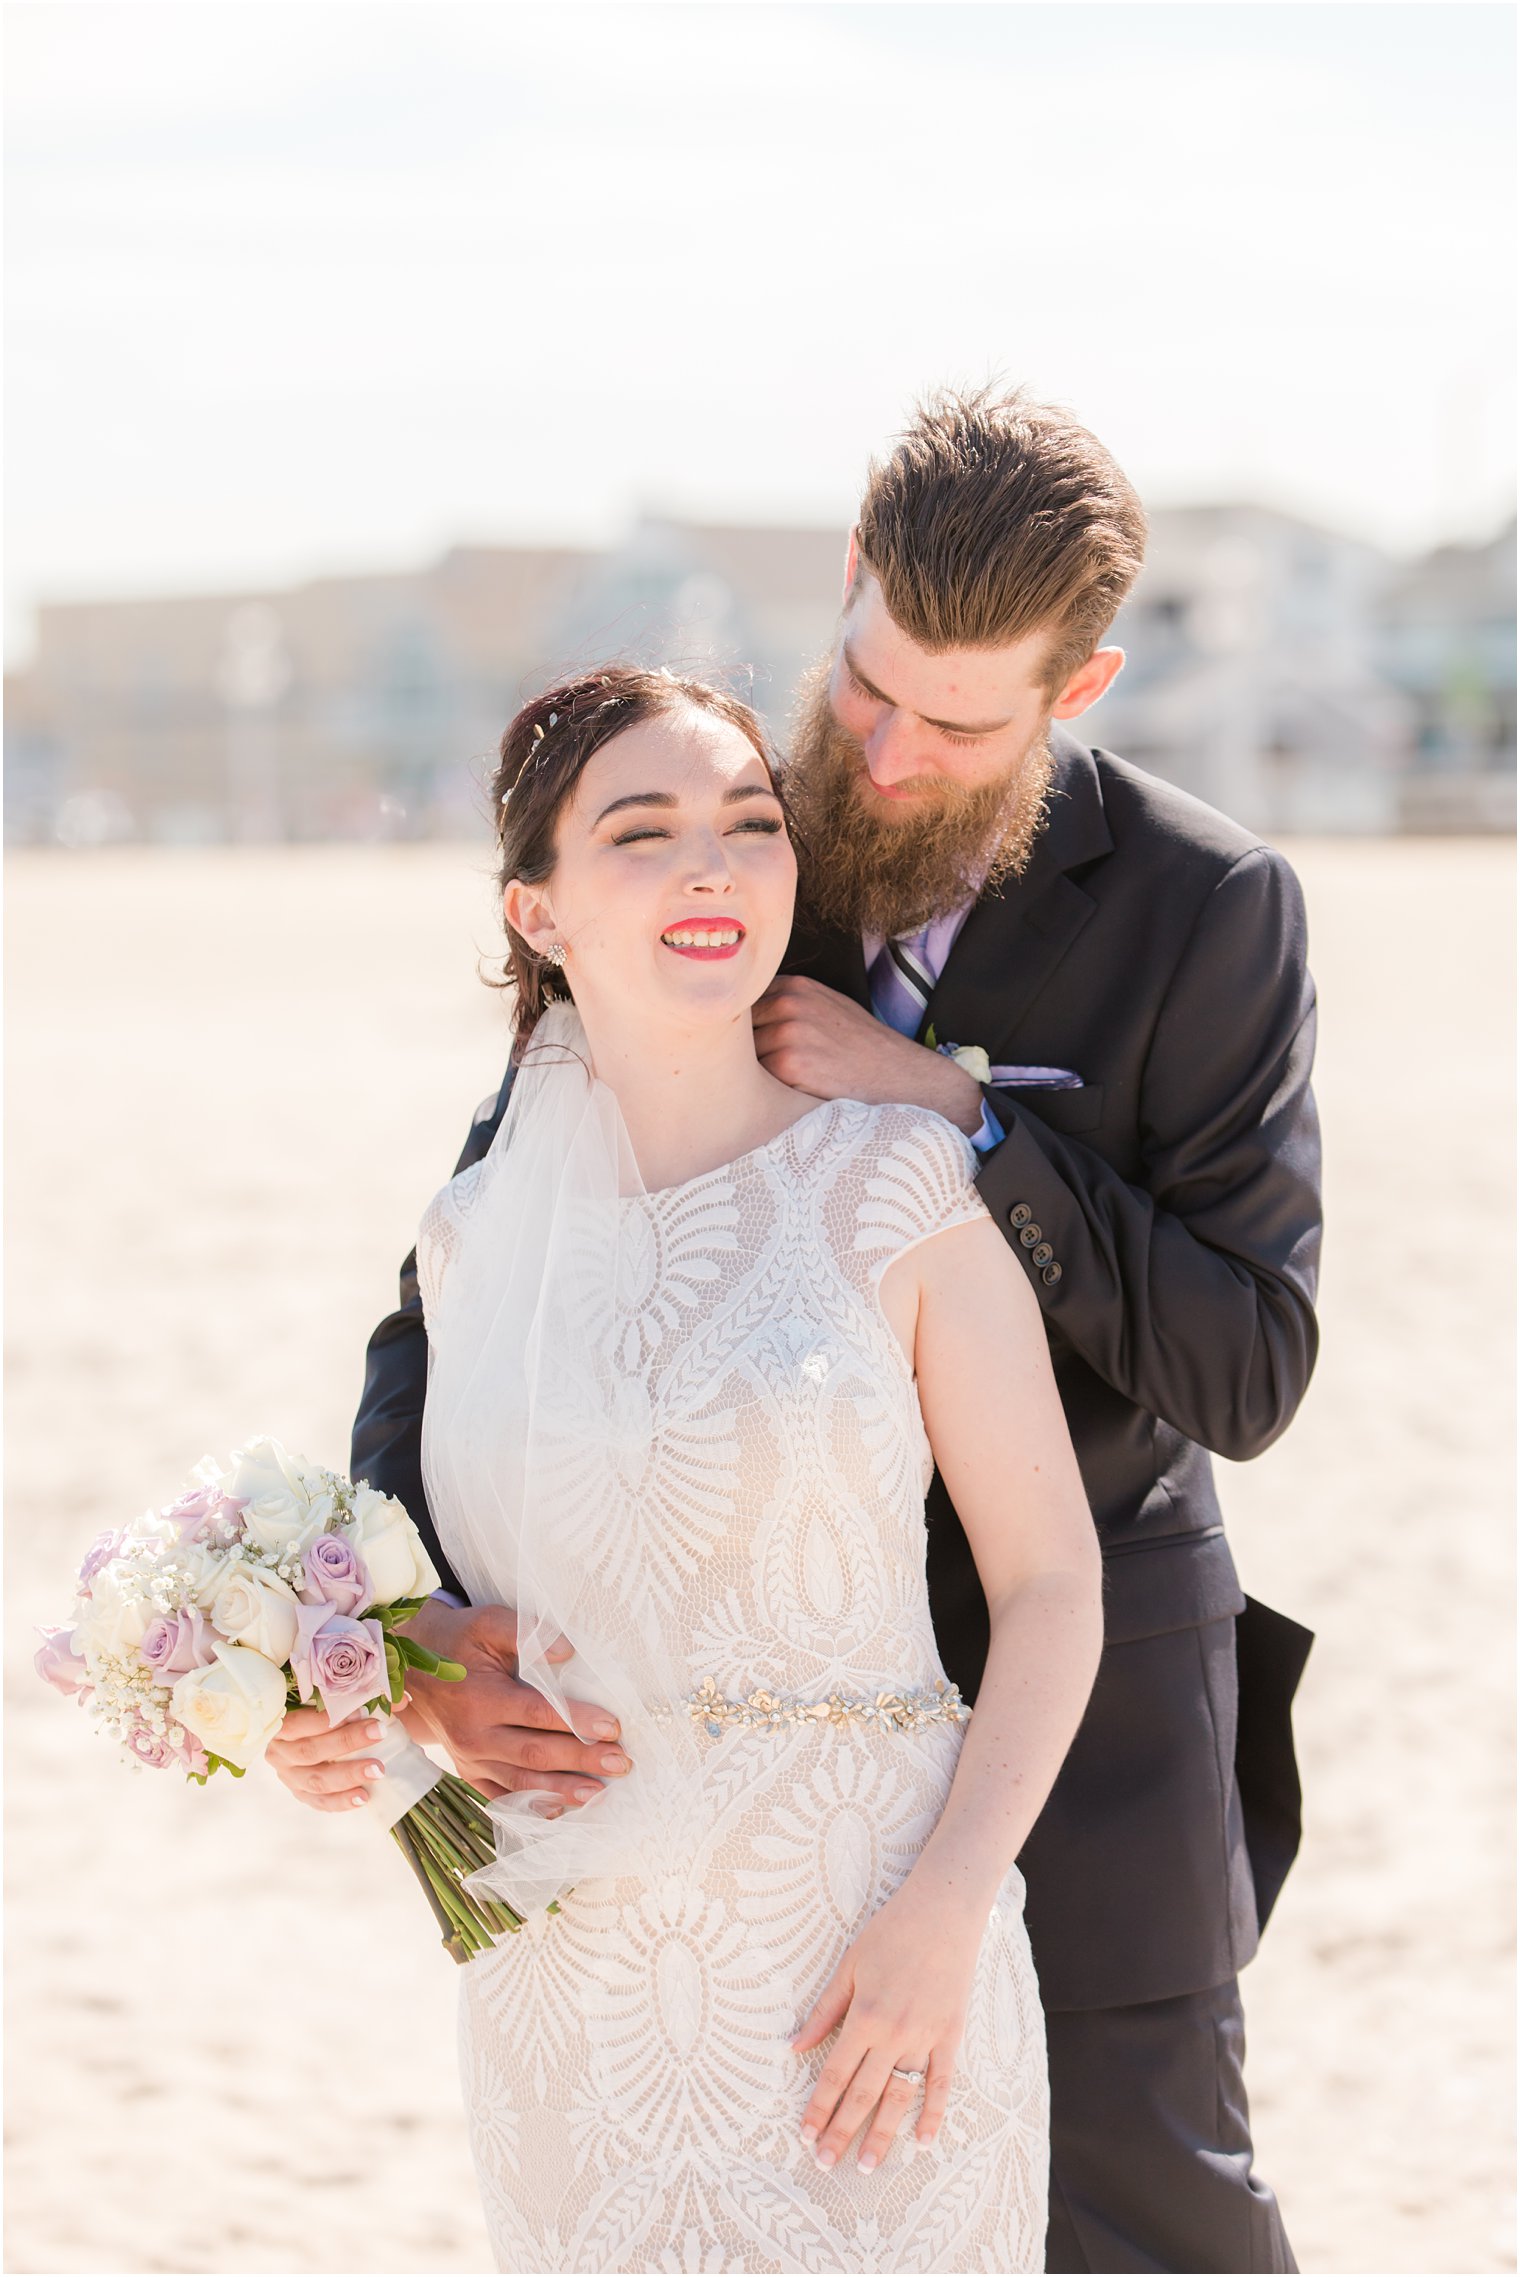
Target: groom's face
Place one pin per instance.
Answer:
(915, 779)
(929, 726)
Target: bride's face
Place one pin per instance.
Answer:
(672, 830)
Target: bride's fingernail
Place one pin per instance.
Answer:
(810, 2136)
(373, 1771)
(866, 2161)
(827, 2157)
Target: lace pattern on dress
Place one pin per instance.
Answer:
(633, 2100)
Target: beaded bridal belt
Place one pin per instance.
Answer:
(895, 1711)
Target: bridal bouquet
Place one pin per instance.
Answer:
(271, 1585)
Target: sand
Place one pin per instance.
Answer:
(234, 1080)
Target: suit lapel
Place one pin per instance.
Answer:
(1015, 935)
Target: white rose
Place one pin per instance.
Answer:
(153, 1530)
(114, 1618)
(234, 1707)
(205, 1568)
(391, 1548)
(254, 1607)
(277, 1518)
(323, 1510)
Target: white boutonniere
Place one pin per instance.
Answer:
(969, 1056)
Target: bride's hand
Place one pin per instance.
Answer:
(902, 1991)
(321, 1766)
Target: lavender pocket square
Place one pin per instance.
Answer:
(1036, 1078)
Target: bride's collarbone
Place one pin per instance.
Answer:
(674, 1162)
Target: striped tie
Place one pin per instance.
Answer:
(900, 983)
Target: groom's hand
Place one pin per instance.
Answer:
(502, 1734)
(819, 1041)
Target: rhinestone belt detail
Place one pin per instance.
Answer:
(896, 1711)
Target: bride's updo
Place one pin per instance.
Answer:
(542, 754)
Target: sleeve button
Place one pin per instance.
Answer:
(1020, 1214)
(1051, 1275)
(1029, 1235)
(1042, 1255)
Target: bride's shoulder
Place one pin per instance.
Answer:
(898, 1130)
(901, 1173)
(904, 1172)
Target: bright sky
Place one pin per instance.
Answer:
(304, 285)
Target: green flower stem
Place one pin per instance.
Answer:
(440, 1915)
(469, 1931)
(451, 1807)
(472, 1834)
(449, 1863)
(447, 1837)
(430, 1832)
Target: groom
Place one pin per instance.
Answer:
(1102, 982)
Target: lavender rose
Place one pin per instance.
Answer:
(149, 1747)
(100, 1552)
(175, 1643)
(342, 1659)
(58, 1664)
(159, 1752)
(199, 1509)
(336, 1576)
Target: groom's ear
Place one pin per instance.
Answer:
(1088, 683)
(851, 564)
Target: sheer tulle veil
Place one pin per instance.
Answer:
(536, 1429)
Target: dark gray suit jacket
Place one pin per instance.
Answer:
(1167, 1213)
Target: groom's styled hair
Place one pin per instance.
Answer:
(995, 516)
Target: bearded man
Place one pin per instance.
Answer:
(1102, 981)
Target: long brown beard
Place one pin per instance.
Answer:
(867, 872)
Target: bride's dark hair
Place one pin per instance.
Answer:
(542, 754)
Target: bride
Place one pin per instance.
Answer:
(697, 1341)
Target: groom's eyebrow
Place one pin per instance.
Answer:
(730, 797)
(951, 726)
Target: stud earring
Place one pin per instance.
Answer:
(555, 953)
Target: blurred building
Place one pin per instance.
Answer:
(1252, 675)
(1295, 678)
(1447, 642)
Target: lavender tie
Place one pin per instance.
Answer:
(900, 983)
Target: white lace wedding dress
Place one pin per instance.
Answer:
(632, 2099)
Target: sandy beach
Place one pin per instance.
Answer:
(235, 1079)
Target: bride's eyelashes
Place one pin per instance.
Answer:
(632, 837)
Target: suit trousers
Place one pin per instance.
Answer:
(1150, 2149)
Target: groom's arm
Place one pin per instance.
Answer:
(1193, 1294)
(387, 1436)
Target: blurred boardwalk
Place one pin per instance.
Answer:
(235, 1078)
